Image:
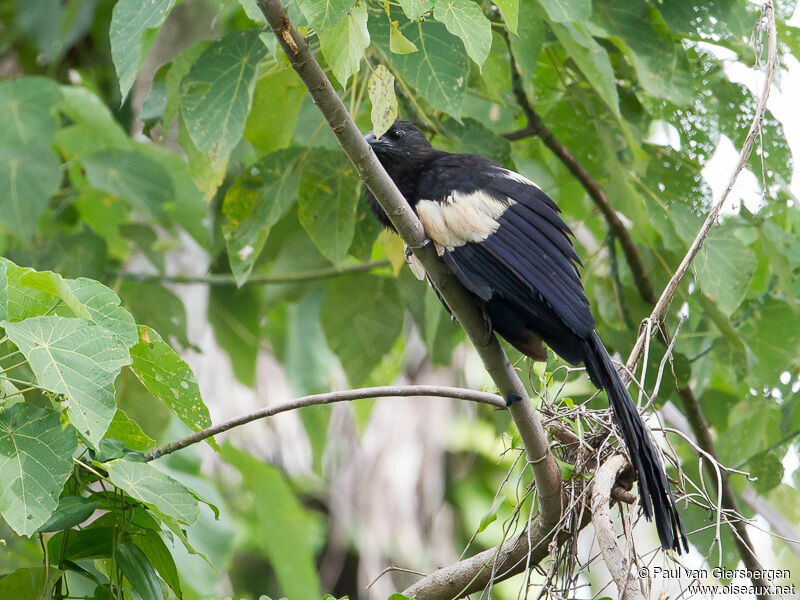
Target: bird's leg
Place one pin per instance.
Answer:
(410, 249)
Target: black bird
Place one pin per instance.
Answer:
(504, 240)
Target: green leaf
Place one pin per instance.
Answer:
(639, 31)
(725, 268)
(78, 359)
(277, 101)
(92, 542)
(324, 14)
(138, 571)
(154, 305)
(161, 558)
(128, 431)
(438, 71)
(414, 9)
(491, 515)
(398, 43)
(592, 59)
(235, 315)
(143, 482)
(286, 531)
(344, 43)
(510, 11)
(89, 299)
(564, 11)
(22, 301)
(71, 511)
(258, 198)
(28, 105)
(3, 292)
(169, 378)
(217, 92)
(464, 18)
(35, 462)
(132, 176)
(384, 102)
(361, 317)
(772, 336)
(27, 583)
(134, 25)
(327, 200)
(29, 175)
(527, 44)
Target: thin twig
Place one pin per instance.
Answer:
(229, 279)
(328, 398)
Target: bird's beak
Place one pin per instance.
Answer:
(376, 143)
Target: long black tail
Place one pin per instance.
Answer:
(656, 496)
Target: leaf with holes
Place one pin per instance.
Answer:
(35, 462)
(134, 25)
(169, 378)
(145, 483)
(384, 101)
(78, 359)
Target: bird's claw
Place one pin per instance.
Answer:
(410, 249)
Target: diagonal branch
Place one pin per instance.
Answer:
(387, 391)
(545, 470)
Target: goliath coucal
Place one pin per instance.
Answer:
(504, 240)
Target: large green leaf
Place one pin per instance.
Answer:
(35, 460)
(132, 176)
(324, 14)
(361, 317)
(464, 18)
(641, 33)
(169, 379)
(145, 483)
(287, 532)
(160, 557)
(28, 583)
(725, 267)
(134, 25)
(28, 105)
(592, 59)
(772, 336)
(22, 301)
(527, 44)
(344, 43)
(510, 11)
(3, 292)
(254, 203)
(29, 175)
(86, 298)
(414, 9)
(277, 101)
(128, 431)
(71, 511)
(217, 92)
(564, 11)
(383, 99)
(327, 201)
(437, 71)
(78, 359)
(137, 569)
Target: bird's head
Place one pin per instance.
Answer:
(402, 143)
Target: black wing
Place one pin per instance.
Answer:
(525, 258)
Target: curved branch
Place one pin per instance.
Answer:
(613, 556)
(228, 278)
(545, 470)
(439, 391)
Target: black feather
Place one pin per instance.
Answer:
(525, 274)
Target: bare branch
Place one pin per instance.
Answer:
(329, 398)
(615, 557)
(229, 279)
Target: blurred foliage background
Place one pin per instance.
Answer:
(167, 151)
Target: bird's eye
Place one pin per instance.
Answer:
(396, 134)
